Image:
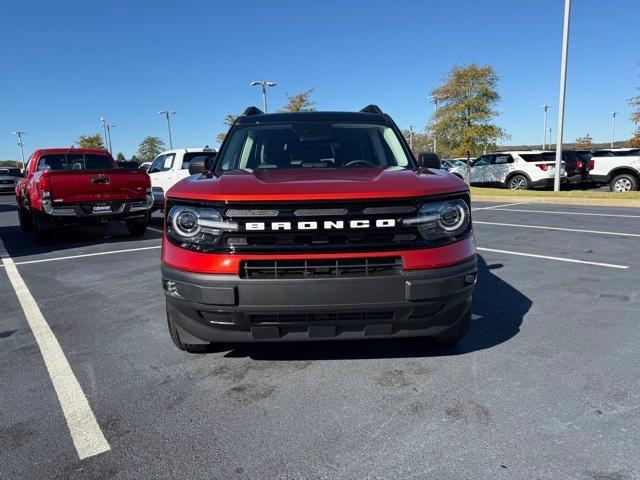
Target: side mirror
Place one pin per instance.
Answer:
(429, 160)
(197, 165)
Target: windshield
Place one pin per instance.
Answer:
(313, 145)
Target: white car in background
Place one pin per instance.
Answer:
(619, 167)
(171, 166)
(516, 170)
(457, 168)
(8, 179)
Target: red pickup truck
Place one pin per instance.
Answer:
(70, 185)
(317, 226)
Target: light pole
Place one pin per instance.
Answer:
(613, 127)
(563, 87)
(21, 144)
(103, 123)
(109, 127)
(166, 113)
(544, 128)
(264, 84)
(435, 121)
(411, 138)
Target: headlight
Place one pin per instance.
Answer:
(441, 220)
(196, 227)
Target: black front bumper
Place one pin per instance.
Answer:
(225, 308)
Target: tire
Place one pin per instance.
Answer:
(25, 219)
(185, 347)
(137, 227)
(456, 334)
(624, 182)
(518, 182)
(41, 228)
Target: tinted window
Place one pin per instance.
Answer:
(313, 145)
(539, 157)
(502, 159)
(483, 160)
(74, 161)
(208, 158)
(157, 164)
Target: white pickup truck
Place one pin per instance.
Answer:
(619, 167)
(171, 166)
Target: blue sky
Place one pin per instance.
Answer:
(65, 64)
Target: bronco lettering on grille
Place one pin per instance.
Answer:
(320, 225)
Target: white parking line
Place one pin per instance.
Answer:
(155, 229)
(83, 426)
(497, 206)
(542, 227)
(567, 213)
(558, 259)
(81, 255)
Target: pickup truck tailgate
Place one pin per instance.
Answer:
(97, 186)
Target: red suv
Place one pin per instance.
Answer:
(317, 226)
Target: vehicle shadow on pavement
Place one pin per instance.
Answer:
(498, 310)
(21, 244)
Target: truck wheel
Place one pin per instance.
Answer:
(41, 228)
(518, 182)
(458, 333)
(624, 182)
(25, 219)
(186, 347)
(137, 227)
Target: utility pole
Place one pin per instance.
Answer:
(544, 128)
(21, 144)
(166, 113)
(563, 87)
(264, 84)
(109, 127)
(103, 122)
(613, 127)
(435, 122)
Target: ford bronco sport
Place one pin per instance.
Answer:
(317, 226)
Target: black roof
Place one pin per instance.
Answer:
(314, 117)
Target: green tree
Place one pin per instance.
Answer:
(300, 102)
(584, 143)
(90, 141)
(120, 157)
(149, 148)
(467, 103)
(228, 121)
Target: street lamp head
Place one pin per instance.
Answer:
(262, 83)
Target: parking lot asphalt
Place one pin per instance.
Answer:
(546, 385)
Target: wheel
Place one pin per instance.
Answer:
(138, 227)
(458, 333)
(186, 347)
(625, 182)
(25, 219)
(41, 228)
(518, 182)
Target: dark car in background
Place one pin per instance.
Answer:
(577, 163)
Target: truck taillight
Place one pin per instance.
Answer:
(45, 185)
(578, 164)
(591, 165)
(543, 166)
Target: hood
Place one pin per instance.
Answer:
(317, 184)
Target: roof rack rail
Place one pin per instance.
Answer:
(252, 111)
(371, 109)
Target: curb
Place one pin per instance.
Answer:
(594, 202)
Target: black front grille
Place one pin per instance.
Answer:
(307, 318)
(335, 267)
(321, 239)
